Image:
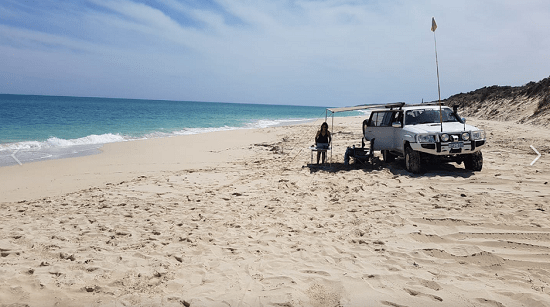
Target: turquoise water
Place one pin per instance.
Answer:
(50, 127)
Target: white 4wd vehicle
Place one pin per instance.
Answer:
(418, 133)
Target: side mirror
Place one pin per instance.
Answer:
(463, 120)
(396, 124)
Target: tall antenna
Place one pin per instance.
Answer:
(434, 26)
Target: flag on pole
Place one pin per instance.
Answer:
(434, 25)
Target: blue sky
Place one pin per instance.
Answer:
(310, 52)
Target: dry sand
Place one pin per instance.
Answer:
(239, 219)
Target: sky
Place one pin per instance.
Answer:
(308, 52)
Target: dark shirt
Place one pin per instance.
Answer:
(323, 138)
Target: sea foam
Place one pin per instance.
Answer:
(87, 140)
(55, 142)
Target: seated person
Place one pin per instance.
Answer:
(322, 141)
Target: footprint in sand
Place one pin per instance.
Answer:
(430, 284)
(490, 302)
(323, 273)
(418, 293)
(392, 304)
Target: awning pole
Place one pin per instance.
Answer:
(434, 26)
(331, 134)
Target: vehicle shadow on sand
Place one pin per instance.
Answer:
(337, 167)
(396, 168)
(433, 170)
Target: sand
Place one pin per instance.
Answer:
(239, 218)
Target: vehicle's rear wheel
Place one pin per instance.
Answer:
(412, 161)
(474, 162)
(387, 156)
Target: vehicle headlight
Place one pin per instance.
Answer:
(465, 136)
(425, 138)
(478, 135)
(444, 137)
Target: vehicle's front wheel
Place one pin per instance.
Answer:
(412, 161)
(387, 156)
(474, 162)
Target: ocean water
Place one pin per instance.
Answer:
(34, 128)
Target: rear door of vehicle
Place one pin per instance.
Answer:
(379, 127)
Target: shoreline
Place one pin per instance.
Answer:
(19, 156)
(121, 161)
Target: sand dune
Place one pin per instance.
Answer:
(262, 228)
(529, 103)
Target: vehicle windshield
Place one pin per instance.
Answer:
(429, 116)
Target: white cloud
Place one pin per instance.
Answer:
(300, 52)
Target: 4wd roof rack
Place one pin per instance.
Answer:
(435, 103)
(395, 105)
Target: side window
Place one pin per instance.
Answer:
(449, 116)
(382, 119)
(375, 119)
(379, 119)
(387, 119)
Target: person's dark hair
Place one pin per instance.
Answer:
(324, 125)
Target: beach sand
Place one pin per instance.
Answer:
(239, 218)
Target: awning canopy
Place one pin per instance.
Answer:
(364, 107)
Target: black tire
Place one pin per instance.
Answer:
(474, 162)
(413, 163)
(387, 156)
